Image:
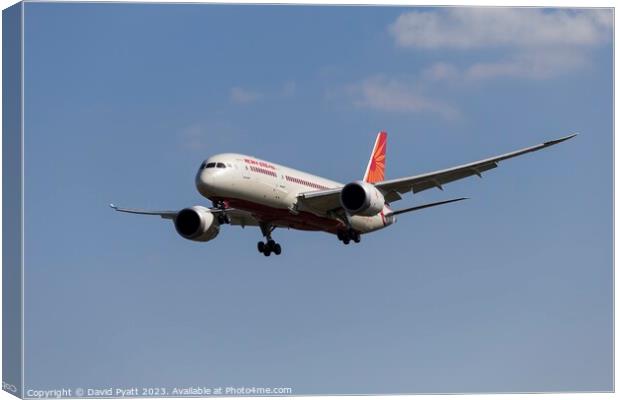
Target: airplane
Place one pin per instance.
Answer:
(248, 191)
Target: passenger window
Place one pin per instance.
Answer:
(220, 165)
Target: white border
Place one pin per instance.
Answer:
(23, 188)
(532, 3)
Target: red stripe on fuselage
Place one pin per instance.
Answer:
(283, 217)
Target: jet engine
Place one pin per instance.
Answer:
(361, 198)
(197, 223)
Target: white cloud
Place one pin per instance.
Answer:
(243, 96)
(536, 43)
(476, 27)
(440, 71)
(392, 95)
(525, 43)
(530, 65)
(533, 65)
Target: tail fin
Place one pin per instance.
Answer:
(375, 171)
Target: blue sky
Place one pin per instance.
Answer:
(508, 291)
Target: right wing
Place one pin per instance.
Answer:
(164, 214)
(237, 217)
(394, 187)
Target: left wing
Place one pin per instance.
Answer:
(392, 188)
(319, 201)
(323, 201)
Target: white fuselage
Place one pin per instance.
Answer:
(270, 192)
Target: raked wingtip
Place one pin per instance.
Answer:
(560, 140)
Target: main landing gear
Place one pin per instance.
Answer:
(348, 235)
(270, 245)
(222, 218)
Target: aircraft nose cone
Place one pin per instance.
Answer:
(204, 183)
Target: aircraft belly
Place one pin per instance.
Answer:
(368, 224)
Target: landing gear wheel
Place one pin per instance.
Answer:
(269, 247)
(349, 235)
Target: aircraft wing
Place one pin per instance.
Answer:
(237, 217)
(394, 187)
(323, 201)
(319, 201)
(167, 214)
(241, 218)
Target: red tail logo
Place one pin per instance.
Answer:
(375, 171)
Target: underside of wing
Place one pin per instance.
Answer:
(241, 218)
(394, 187)
(320, 201)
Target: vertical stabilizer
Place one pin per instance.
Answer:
(375, 171)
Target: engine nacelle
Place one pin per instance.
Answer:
(197, 223)
(361, 198)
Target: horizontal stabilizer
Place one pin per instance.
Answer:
(426, 206)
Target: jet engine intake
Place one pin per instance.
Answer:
(361, 198)
(197, 223)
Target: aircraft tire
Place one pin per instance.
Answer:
(277, 249)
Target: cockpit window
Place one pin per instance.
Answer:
(212, 165)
